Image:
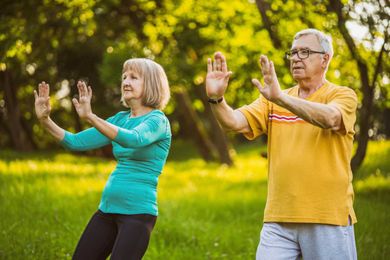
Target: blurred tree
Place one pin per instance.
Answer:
(60, 42)
(181, 37)
(63, 41)
(31, 34)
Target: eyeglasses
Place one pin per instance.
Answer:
(302, 53)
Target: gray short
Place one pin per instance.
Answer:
(308, 241)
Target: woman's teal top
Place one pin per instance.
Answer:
(141, 149)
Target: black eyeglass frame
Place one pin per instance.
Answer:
(289, 54)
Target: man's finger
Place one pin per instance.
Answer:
(219, 65)
(228, 75)
(218, 58)
(272, 70)
(264, 64)
(35, 94)
(209, 65)
(257, 83)
(224, 64)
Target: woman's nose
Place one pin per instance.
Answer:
(126, 82)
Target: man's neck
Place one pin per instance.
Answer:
(308, 87)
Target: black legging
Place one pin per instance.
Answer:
(122, 236)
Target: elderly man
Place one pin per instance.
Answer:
(309, 211)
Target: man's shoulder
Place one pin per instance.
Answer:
(333, 91)
(334, 87)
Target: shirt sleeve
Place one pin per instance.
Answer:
(153, 129)
(88, 139)
(256, 114)
(345, 100)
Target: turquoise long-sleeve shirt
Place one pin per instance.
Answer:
(141, 149)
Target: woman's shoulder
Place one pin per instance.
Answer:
(157, 115)
(157, 112)
(117, 116)
(122, 113)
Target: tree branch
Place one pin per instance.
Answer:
(378, 67)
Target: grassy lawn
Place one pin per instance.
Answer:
(207, 211)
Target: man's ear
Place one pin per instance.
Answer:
(325, 60)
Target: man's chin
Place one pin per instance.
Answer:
(298, 76)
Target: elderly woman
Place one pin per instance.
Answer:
(140, 138)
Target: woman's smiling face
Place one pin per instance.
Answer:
(132, 86)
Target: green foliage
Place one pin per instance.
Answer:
(63, 41)
(207, 211)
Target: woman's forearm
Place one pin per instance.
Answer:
(52, 128)
(104, 127)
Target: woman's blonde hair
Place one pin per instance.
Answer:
(156, 92)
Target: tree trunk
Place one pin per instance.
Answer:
(263, 8)
(192, 121)
(218, 136)
(368, 90)
(364, 118)
(18, 135)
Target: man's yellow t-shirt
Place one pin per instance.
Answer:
(309, 175)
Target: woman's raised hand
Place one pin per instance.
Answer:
(217, 77)
(42, 101)
(83, 104)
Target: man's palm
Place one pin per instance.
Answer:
(217, 77)
(216, 83)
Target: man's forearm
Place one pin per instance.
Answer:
(224, 115)
(229, 119)
(321, 115)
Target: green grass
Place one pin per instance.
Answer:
(207, 211)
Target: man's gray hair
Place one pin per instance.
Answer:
(324, 39)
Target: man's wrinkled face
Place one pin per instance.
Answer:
(314, 64)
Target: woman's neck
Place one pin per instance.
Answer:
(139, 110)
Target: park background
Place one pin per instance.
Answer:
(212, 191)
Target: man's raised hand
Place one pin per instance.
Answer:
(271, 89)
(217, 77)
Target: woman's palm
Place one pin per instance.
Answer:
(83, 104)
(42, 101)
